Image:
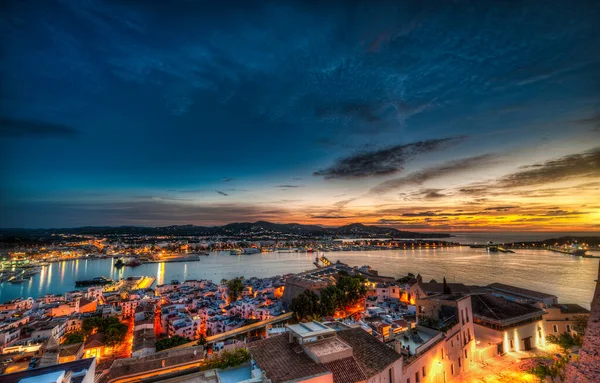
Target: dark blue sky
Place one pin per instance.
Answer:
(152, 113)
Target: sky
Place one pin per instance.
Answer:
(430, 116)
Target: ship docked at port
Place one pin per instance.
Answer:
(573, 249)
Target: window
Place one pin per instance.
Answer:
(390, 372)
(408, 380)
(452, 369)
(459, 364)
(466, 354)
(462, 317)
(512, 344)
(451, 343)
(423, 371)
(568, 328)
(417, 378)
(555, 328)
(442, 353)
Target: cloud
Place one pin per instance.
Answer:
(501, 208)
(421, 214)
(431, 193)
(384, 161)
(449, 168)
(586, 164)
(343, 203)
(227, 179)
(10, 127)
(286, 186)
(593, 121)
(563, 213)
(221, 192)
(330, 216)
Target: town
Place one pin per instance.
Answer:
(335, 323)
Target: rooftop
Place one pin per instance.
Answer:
(346, 370)
(75, 367)
(328, 347)
(282, 362)
(520, 291)
(310, 329)
(500, 309)
(372, 355)
(570, 308)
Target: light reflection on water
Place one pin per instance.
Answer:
(570, 278)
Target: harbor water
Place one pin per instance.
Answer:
(568, 277)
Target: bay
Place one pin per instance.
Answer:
(568, 277)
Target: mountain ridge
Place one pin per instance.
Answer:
(237, 229)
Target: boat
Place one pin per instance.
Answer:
(19, 280)
(94, 282)
(251, 250)
(119, 263)
(236, 252)
(133, 263)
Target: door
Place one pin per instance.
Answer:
(527, 342)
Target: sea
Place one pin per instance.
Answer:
(570, 278)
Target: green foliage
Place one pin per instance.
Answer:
(114, 331)
(74, 337)
(580, 324)
(554, 370)
(234, 289)
(227, 358)
(406, 278)
(174, 341)
(201, 340)
(565, 341)
(346, 292)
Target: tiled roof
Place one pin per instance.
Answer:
(520, 291)
(69, 350)
(281, 362)
(346, 370)
(500, 309)
(95, 340)
(438, 288)
(372, 355)
(571, 308)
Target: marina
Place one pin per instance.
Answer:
(569, 277)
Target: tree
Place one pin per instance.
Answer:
(580, 324)
(227, 358)
(115, 334)
(202, 340)
(114, 331)
(304, 305)
(565, 341)
(234, 289)
(174, 341)
(74, 337)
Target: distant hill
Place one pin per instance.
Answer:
(237, 229)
